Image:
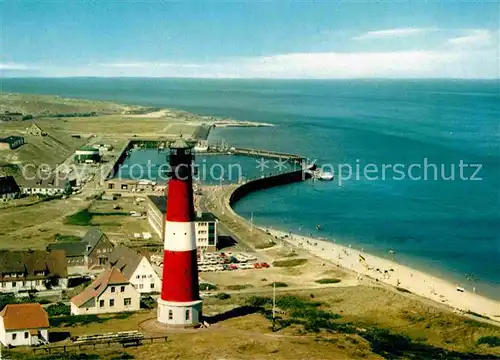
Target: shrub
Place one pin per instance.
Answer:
(67, 238)
(279, 284)
(328, 281)
(81, 218)
(289, 262)
(207, 287)
(222, 296)
(238, 286)
(58, 309)
(491, 341)
(403, 290)
(258, 301)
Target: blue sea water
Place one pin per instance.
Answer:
(447, 227)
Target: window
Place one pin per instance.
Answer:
(143, 276)
(150, 276)
(101, 303)
(138, 276)
(112, 289)
(188, 315)
(14, 336)
(170, 315)
(103, 260)
(111, 302)
(141, 286)
(26, 334)
(122, 289)
(24, 283)
(3, 284)
(127, 301)
(37, 282)
(152, 285)
(13, 284)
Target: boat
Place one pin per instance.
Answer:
(323, 175)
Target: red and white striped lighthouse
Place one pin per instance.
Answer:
(180, 303)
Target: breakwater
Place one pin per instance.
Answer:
(268, 182)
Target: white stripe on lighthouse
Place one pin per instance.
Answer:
(180, 236)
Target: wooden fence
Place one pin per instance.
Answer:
(97, 345)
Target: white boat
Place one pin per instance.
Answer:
(323, 175)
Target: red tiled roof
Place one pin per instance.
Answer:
(24, 316)
(111, 276)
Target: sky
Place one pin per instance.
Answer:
(251, 39)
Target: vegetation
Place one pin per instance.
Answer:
(328, 281)
(289, 262)
(58, 309)
(222, 296)
(84, 217)
(80, 320)
(239, 286)
(491, 341)
(403, 290)
(279, 284)
(67, 238)
(207, 287)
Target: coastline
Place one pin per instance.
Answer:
(394, 274)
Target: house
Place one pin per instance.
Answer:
(32, 270)
(136, 268)
(110, 292)
(205, 223)
(11, 142)
(46, 185)
(24, 324)
(8, 188)
(13, 116)
(98, 249)
(36, 130)
(75, 256)
(87, 154)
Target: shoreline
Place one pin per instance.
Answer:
(391, 273)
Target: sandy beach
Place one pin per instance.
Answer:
(394, 274)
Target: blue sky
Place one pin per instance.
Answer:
(273, 39)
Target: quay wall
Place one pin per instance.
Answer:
(267, 182)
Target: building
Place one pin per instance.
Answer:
(91, 254)
(8, 188)
(13, 116)
(75, 256)
(136, 268)
(50, 185)
(22, 271)
(180, 304)
(24, 324)
(205, 223)
(98, 249)
(87, 154)
(11, 142)
(110, 292)
(36, 130)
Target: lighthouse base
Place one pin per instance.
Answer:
(179, 314)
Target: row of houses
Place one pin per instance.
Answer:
(11, 142)
(50, 185)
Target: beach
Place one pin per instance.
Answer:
(394, 274)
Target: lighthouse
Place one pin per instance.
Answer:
(180, 303)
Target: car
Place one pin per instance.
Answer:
(264, 265)
(257, 266)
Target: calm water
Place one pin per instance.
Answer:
(447, 227)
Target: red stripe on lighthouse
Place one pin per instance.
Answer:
(180, 276)
(180, 200)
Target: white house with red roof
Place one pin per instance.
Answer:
(110, 292)
(24, 324)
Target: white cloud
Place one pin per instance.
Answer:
(150, 65)
(392, 33)
(478, 38)
(15, 67)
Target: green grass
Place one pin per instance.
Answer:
(289, 262)
(80, 320)
(328, 281)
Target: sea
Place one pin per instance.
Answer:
(416, 162)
